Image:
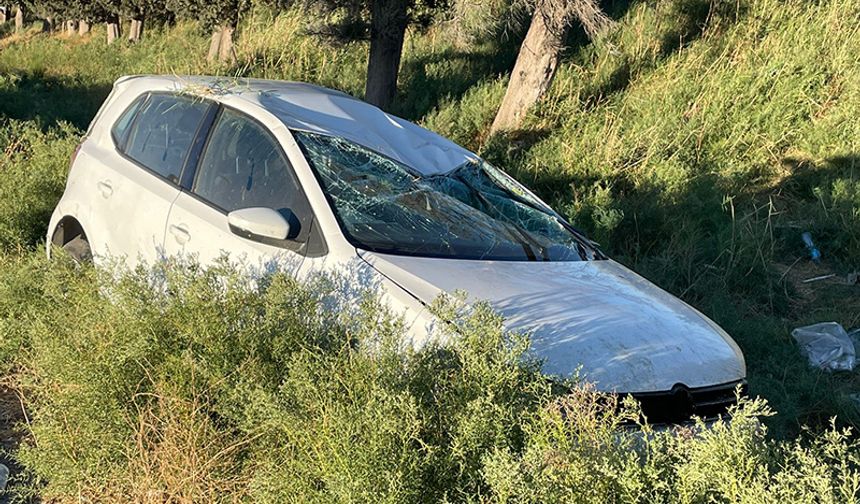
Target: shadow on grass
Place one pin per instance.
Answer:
(49, 99)
(428, 80)
(691, 19)
(806, 174)
(727, 260)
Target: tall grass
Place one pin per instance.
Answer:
(32, 176)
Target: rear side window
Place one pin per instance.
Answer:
(162, 133)
(119, 132)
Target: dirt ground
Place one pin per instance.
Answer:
(812, 284)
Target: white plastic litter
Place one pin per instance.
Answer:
(827, 346)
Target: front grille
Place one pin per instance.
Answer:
(681, 403)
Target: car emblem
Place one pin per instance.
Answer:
(682, 399)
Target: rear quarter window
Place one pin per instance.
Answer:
(119, 131)
(162, 131)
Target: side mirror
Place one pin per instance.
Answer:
(259, 224)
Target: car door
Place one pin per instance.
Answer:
(241, 166)
(139, 180)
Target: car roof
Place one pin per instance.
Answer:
(307, 107)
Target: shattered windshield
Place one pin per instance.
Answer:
(472, 212)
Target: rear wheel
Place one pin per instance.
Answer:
(69, 235)
(78, 249)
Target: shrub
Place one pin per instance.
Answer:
(183, 384)
(33, 167)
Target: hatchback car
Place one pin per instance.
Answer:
(298, 177)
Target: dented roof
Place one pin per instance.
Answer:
(322, 110)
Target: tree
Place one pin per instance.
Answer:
(19, 18)
(78, 14)
(114, 28)
(388, 22)
(219, 16)
(4, 12)
(540, 52)
(384, 24)
(138, 11)
(47, 10)
(110, 12)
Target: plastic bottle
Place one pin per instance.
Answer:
(814, 253)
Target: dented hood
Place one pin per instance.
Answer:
(627, 334)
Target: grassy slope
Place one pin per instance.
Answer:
(696, 141)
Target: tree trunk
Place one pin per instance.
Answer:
(169, 20)
(19, 19)
(538, 58)
(135, 32)
(214, 44)
(221, 44)
(71, 28)
(388, 22)
(536, 64)
(48, 25)
(83, 27)
(226, 51)
(113, 30)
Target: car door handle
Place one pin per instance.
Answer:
(105, 188)
(180, 233)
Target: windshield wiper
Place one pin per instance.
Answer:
(528, 242)
(582, 239)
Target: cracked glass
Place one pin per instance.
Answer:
(474, 211)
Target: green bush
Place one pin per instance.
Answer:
(33, 166)
(191, 385)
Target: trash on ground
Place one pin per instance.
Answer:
(827, 346)
(822, 277)
(814, 253)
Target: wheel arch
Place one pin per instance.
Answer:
(66, 229)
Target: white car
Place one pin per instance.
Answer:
(303, 178)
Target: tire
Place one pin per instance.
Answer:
(78, 249)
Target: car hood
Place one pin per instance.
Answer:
(624, 333)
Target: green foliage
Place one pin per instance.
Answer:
(33, 167)
(583, 460)
(41, 8)
(350, 20)
(90, 10)
(197, 385)
(21, 294)
(210, 13)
